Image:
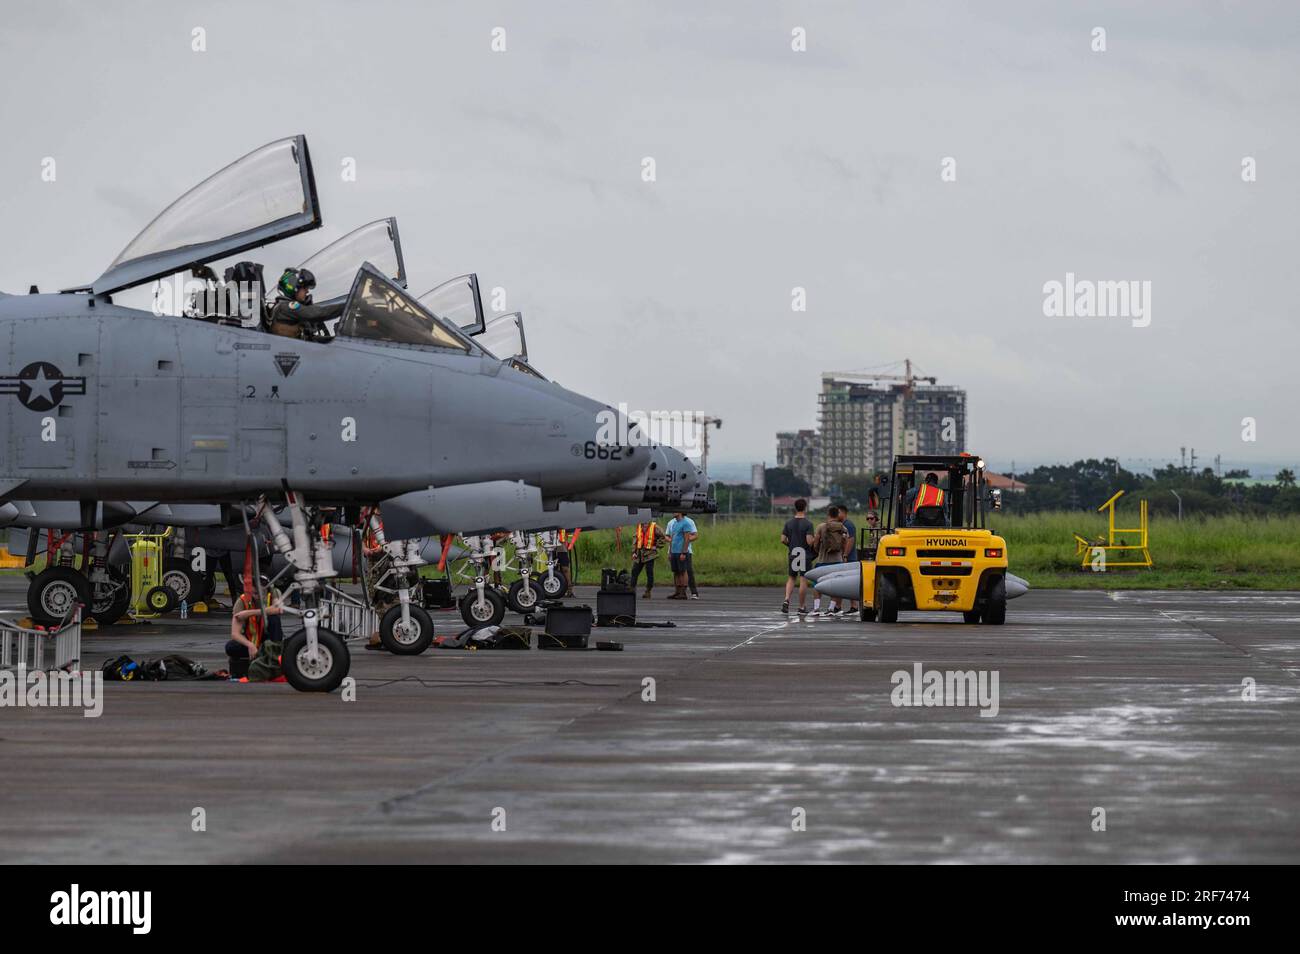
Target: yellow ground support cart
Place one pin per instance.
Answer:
(149, 597)
(932, 551)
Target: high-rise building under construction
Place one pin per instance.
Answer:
(866, 419)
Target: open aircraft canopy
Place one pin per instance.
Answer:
(457, 301)
(380, 310)
(335, 266)
(268, 195)
(503, 336)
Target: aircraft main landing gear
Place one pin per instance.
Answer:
(54, 592)
(405, 629)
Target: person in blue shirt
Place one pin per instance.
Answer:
(852, 556)
(682, 532)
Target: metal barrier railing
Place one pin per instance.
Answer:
(28, 648)
(346, 617)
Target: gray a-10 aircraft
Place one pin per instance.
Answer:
(665, 483)
(400, 409)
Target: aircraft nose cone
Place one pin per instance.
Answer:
(684, 471)
(625, 462)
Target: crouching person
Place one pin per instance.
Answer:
(254, 648)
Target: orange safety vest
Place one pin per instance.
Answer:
(252, 625)
(927, 495)
(646, 534)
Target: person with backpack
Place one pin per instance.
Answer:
(832, 543)
(248, 631)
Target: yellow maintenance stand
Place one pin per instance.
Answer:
(149, 598)
(939, 556)
(1114, 542)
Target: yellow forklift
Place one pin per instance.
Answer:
(931, 550)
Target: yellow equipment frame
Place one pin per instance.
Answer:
(1088, 547)
(146, 569)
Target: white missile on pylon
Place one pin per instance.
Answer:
(846, 582)
(829, 569)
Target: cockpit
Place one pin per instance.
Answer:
(503, 336)
(335, 266)
(379, 310)
(270, 195)
(459, 302)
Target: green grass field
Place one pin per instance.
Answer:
(1212, 553)
(1226, 552)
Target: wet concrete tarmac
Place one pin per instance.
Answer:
(1127, 702)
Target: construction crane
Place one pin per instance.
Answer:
(908, 378)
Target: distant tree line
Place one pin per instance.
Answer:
(1083, 485)
(1086, 484)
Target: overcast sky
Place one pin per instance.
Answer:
(775, 169)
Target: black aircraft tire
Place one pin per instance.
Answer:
(53, 592)
(886, 600)
(406, 644)
(108, 613)
(995, 611)
(182, 580)
(474, 616)
(554, 587)
(515, 596)
(332, 667)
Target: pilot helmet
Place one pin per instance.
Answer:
(294, 279)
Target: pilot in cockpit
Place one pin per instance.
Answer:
(293, 315)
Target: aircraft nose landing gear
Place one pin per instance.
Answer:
(312, 659)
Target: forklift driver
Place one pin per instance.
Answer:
(925, 504)
(293, 315)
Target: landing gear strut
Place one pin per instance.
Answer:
(406, 629)
(483, 605)
(313, 659)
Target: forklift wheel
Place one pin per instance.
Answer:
(161, 599)
(323, 675)
(887, 598)
(995, 610)
(970, 616)
(408, 640)
(867, 614)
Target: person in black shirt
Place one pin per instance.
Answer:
(797, 536)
